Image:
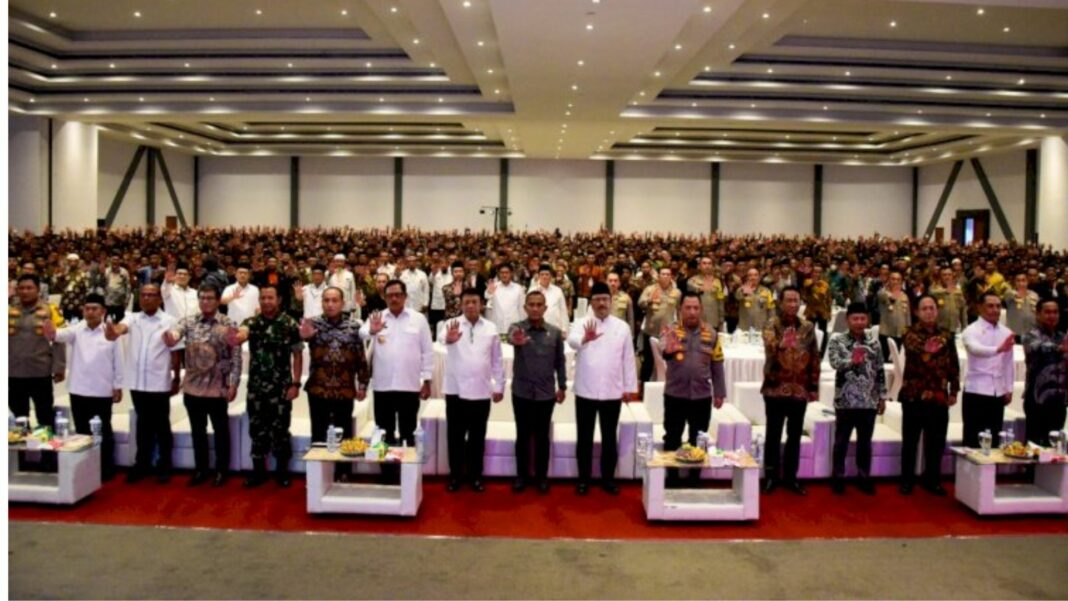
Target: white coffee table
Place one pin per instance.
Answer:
(327, 496)
(738, 503)
(78, 475)
(977, 486)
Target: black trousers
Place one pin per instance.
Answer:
(83, 409)
(324, 412)
(533, 420)
(1043, 419)
(397, 410)
(200, 409)
(845, 421)
(691, 415)
(22, 390)
(116, 313)
(885, 345)
(153, 429)
(648, 366)
(981, 412)
(586, 414)
(732, 323)
(792, 412)
(821, 325)
(931, 420)
(466, 434)
(435, 316)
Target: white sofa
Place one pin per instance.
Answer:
(815, 439)
(885, 440)
(728, 428)
(121, 424)
(499, 456)
(564, 439)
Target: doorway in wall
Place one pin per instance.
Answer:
(970, 227)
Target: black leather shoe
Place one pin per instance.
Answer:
(519, 485)
(543, 487)
(837, 487)
(905, 490)
(220, 479)
(281, 477)
(936, 490)
(134, 476)
(610, 488)
(582, 489)
(795, 487)
(770, 484)
(198, 479)
(477, 486)
(453, 485)
(866, 486)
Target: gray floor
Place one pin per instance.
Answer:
(87, 561)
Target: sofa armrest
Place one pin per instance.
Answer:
(820, 427)
(893, 417)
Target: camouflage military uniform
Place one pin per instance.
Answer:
(271, 345)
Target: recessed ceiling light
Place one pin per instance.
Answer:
(919, 111)
(568, 114)
(693, 105)
(1043, 115)
(496, 91)
(988, 114)
(467, 3)
(181, 136)
(211, 98)
(569, 105)
(980, 11)
(137, 14)
(731, 46)
(480, 43)
(186, 65)
(825, 107)
(656, 73)
(141, 99)
(489, 71)
(415, 41)
(708, 9)
(893, 23)
(368, 64)
(849, 73)
(393, 9)
(770, 70)
(433, 65)
(949, 77)
(581, 62)
(574, 87)
(259, 12)
(440, 99)
(678, 46)
(111, 65)
(85, 100)
(53, 65)
(344, 12)
(53, 14)
(612, 131)
(766, 15)
(589, 26)
(752, 105)
(32, 100)
(1021, 82)
(380, 99)
(307, 99)
(290, 65)
(707, 68)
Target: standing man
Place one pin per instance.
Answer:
(275, 365)
(756, 304)
(539, 358)
(95, 374)
(212, 374)
(895, 315)
(1046, 388)
(474, 374)
(312, 294)
(242, 298)
(34, 363)
(816, 294)
(952, 308)
(149, 365)
(991, 372)
(417, 284)
(731, 283)
(179, 299)
(791, 381)
(342, 279)
(622, 303)
(555, 305)
(859, 395)
(338, 372)
(440, 279)
(402, 364)
(73, 284)
(694, 377)
(929, 387)
(711, 291)
(1021, 306)
(661, 305)
(504, 299)
(116, 289)
(604, 380)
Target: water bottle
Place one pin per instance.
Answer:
(331, 439)
(1008, 438)
(12, 423)
(643, 451)
(62, 425)
(702, 441)
(96, 428)
(985, 440)
(752, 335)
(758, 449)
(420, 444)
(1003, 439)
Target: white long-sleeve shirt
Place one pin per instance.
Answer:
(240, 309)
(402, 354)
(313, 300)
(438, 281)
(347, 283)
(604, 368)
(555, 305)
(95, 362)
(148, 358)
(989, 372)
(418, 287)
(179, 302)
(474, 369)
(505, 305)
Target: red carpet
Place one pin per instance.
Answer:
(500, 513)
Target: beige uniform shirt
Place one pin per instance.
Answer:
(659, 312)
(952, 308)
(1020, 311)
(754, 308)
(712, 309)
(623, 308)
(894, 315)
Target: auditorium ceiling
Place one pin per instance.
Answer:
(881, 82)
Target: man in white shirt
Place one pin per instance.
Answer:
(150, 364)
(505, 299)
(991, 372)
(605, 378)
(474, 374)
(555, 305)
(242, 298)
(312, 294)
(439, 279)
(95, 380)
(179, 299)
(417, 284)
(342, 279)
(402, 363)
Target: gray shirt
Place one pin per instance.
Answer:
(538, 362)
(695, 371)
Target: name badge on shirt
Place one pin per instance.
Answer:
(381, 339)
